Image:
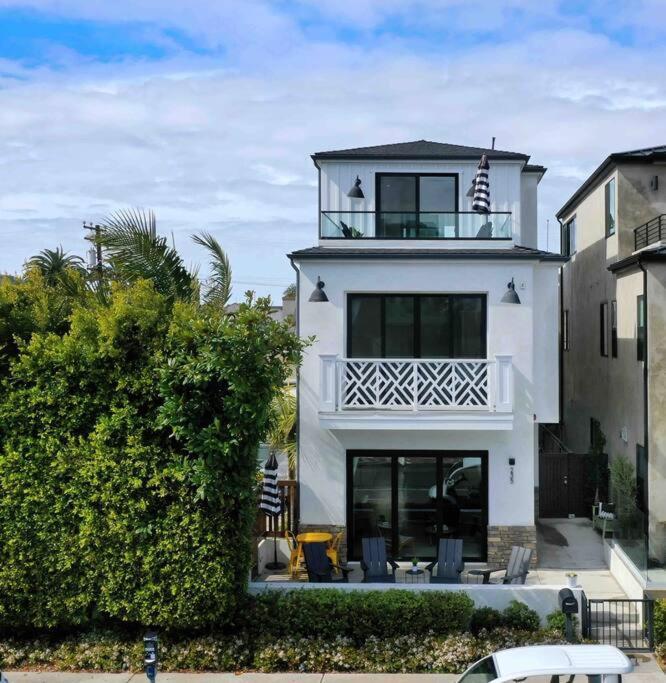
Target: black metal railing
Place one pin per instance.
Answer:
(649, 233)
(622, 622)
(433, 225)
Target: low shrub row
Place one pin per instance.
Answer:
(660, 621)
(358, 615)
(111, 652)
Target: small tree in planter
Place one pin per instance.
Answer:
(623, 487)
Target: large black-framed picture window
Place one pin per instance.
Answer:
(416, 326)
(413, 498)
(416, 205)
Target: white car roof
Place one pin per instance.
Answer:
(541, 660)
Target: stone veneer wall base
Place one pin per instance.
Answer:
(502, 538)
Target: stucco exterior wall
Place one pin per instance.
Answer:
(594, 386)
(511, 330)
(656, 316)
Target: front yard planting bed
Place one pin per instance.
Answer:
(307, 631)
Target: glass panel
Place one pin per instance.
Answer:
(469, 334)
(464, 504)
(610, 207)
(483, 672)
(417, 507)
(437, 193)
(435, 327)
(371, 499)
(397, 193)
(399, 327)
(365, 327)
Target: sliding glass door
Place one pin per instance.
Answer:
(413, 498)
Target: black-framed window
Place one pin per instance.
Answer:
(418, 205)
(642, 479)
(413, 498)
(641, 328)
(416, 326)
(569, 237)
(610, 208)
(613, 314)
(565, 329)
(603, 328)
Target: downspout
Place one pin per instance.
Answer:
(646, 356)
(561, 344)
(298, 399)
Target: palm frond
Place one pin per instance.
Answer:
(282, 425)
(218, 291)
(135, 251)
(54, 264)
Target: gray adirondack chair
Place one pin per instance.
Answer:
(516, 570)
(449, 563)
(319, 565)
(375, 564)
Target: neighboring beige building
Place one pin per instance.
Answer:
(614, 333)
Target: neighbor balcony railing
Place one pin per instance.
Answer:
(391, 225)
(416, 384)
(649, 233)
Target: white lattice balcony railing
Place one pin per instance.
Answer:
(416, 384)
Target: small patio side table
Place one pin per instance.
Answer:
(417, 576)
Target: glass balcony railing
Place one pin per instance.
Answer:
(395, 225)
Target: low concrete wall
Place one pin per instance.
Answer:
(266, 553)
(542, 599)
(623, 571)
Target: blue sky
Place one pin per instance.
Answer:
(207, 111)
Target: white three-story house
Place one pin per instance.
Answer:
(420, 399)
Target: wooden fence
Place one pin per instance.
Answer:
(286, 520)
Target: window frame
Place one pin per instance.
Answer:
(417, 198)
(566, 246)
(417, 297)
(566, 340)
(613, 328)
(603, 328)
(608, 229)
(642, 479)
(641, 329)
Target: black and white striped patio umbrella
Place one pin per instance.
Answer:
(481, 201)
(270, 497)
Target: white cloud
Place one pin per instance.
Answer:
(227, 149)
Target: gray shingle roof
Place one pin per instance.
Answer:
(523, 253)
(419, 149)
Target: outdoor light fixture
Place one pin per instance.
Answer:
(512, 464)
(319, 295)
(510, 296)
(356, 192)
(150, 655)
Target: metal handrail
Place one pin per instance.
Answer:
(651, 232)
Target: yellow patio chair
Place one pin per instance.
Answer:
(293, 552)
(333, 550)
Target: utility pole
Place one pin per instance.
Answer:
(95, 261)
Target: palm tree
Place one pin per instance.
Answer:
(135, 251)
(282, 427)
(54, 264)
(218, 290)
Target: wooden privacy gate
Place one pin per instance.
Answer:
(568, 483)
(625, 623)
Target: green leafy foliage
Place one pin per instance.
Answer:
(519, 616)
(128, 446)
(660, 621)
(486, 618)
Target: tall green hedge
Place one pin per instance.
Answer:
(127, 461)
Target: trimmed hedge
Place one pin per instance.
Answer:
(359, 615)
(660, 621)
(128, 460)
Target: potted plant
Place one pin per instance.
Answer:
(415, 565)
(572, 579)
